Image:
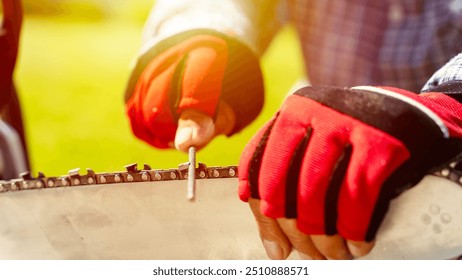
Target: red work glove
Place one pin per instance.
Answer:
(332, 158)
(193, 70)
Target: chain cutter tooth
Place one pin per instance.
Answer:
(76, 179)
(132, 173)
(30, 182)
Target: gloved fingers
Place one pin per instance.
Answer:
(333, 247)
(202, 76)
(344, 166)
(250, 162)
(299, 142)
(290, 130)
(313, 194)
(275, 242)
(309, 165)
(367, 171)
(149, 112)
(300, 241)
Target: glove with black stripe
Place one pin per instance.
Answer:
(196, 69)
(333, 158)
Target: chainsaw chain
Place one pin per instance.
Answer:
(130, 175)
(452, 172)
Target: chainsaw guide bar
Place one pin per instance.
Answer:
(136, 214)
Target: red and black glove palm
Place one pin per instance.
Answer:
(333, 158)
(192, 70)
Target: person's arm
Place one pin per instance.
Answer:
(199, 70)
(254, 23)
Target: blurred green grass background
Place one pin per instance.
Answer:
(74, 62)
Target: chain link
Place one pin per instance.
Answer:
(130, 175)
(452, 172)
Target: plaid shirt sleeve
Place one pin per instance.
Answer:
(452, 71)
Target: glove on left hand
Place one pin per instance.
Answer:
(333, 158)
